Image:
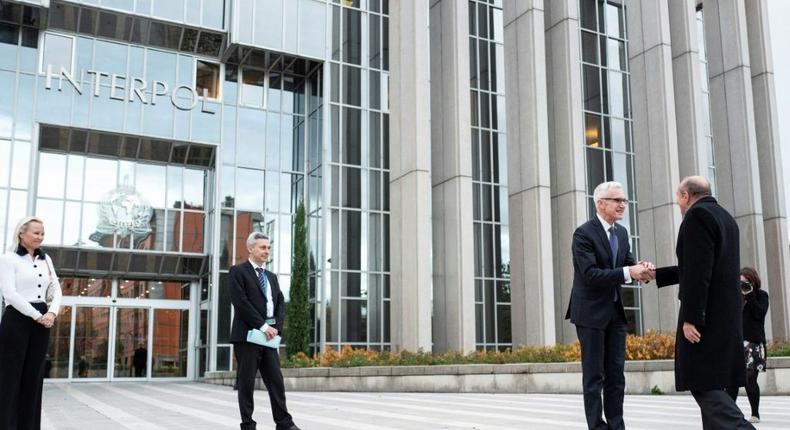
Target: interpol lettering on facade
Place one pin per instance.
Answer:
(133, 88)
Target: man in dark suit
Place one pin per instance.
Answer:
(709, 343)
(602, 261)
(258, 304)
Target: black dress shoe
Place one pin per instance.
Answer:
(293, 427)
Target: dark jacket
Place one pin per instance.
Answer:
(710, 296)
(754, 310)
(595, 279)
(249, 302)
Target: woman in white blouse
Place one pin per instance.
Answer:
(31, 293)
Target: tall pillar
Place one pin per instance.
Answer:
(529, 193)
(451, 179)
(775, 278)
(732, 114)
(655, 151)
(566, 148)
(687, 79)
(410, 181)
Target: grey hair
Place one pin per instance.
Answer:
(254, 236)
(603, 187)
(21, 227)
(695, 186)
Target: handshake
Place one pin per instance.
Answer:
(643, 271)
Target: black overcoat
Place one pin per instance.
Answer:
(249, 303)
(708, 255)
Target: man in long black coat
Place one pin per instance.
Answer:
(709, 343)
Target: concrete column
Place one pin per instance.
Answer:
(655, 151)
(451, 179)
(566, 148)
(687, 79)
(529, 200)
(732, 112)
(410, 181)
(775, 279)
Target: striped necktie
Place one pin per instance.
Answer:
(262, 280)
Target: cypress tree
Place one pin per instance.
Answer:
(297, 335)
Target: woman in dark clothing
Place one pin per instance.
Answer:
(755, 307)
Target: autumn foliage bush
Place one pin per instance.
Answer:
(651, 346)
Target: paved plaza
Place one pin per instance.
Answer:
(191, 405)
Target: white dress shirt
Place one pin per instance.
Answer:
(606, 227)
(269, 301)
(24, 280)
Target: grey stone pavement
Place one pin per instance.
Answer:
(194, 405)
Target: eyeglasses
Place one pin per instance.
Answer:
(618, 201)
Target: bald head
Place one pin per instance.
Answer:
(691, 189)
(695, 186)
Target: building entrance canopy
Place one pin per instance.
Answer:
(143, 265)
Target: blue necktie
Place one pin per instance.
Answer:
(261, 280)
(613, 245)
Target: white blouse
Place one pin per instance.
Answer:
(24, 280)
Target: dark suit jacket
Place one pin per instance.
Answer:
(249, 302)
(595, 279)
(708, 253)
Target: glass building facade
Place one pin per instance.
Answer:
(705, 82)
(153, 136)
(489, 175)
(608, 119)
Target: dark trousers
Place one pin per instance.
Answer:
(752, 392)
(719, 411)
(252, 359)
(23, 345)
(603, 362)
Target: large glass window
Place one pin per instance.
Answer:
(489, 177)
(122, 204)
(207, 78)
(58, 53)
(609, 151)
(19, 25)
(706, 111)
(252, 87)
(356, 297)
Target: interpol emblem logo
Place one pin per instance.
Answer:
(123, 211)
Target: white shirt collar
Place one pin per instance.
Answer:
(606, 225)
(255, 266)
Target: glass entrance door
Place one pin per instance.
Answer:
(91, 342)
(131, 343)
(127, 330)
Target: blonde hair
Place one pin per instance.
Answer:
(21, 227)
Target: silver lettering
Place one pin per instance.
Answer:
(155, 92)
(192, 94)
(203, 106)
(135, 89)
(97, 81)
(114, 87)
(49, 77)
(65, 74)
(127, 87)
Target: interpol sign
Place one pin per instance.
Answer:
(131, 88)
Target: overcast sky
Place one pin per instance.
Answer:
(779, 16)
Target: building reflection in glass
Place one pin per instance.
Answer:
(91, 342)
